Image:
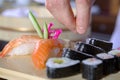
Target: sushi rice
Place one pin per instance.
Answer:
(92, 69)
(24, 49)
(108, 63)
(114, 52)
(62, 62)
(92, 61)
(105, 56)
(58, 67)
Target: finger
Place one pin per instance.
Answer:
(83, 15)
(62, 11)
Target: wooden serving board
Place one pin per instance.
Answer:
(22, 68)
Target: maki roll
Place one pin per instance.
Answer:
(62, 67)
(108, 63)
(106, 45)
(92, 69)
(116, 53)
(88, 48)
(75, 55)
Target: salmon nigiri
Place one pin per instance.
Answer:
(45, 49)
(42, 47)
(49, 46)
(20, 46)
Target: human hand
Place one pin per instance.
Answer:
(62, 11)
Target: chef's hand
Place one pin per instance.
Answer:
(62, 11)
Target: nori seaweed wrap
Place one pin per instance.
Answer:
(106, 45)
(116, 53)
(75, 55)
(92, 69)
(62, 67)
(108, 63)
(88, 48)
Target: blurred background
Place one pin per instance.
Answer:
(14, 20)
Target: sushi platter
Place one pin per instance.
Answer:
(45, 57)
(21, 68)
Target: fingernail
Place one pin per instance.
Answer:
(81, 30)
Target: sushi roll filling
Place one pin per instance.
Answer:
(92, 61)
(58, 61)
(58, 67)
(61, 62)
(115, 52)
(105, 56)
(92, 69)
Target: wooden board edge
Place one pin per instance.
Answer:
(14, 75)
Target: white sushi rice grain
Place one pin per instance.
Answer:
(92, 61)
(104, 56)
(23, 49)
(114, 52)
(66, 62)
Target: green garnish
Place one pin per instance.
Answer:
(58, 61)
(35, 24)
(45, 32)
